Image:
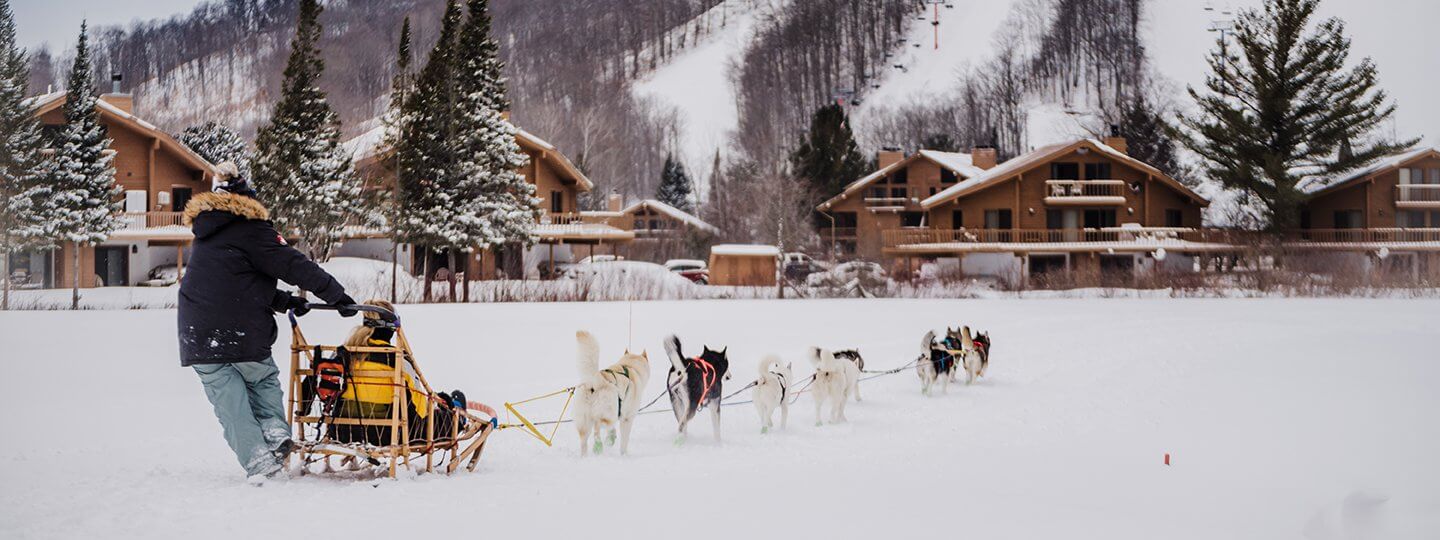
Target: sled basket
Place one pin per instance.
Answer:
(322, 430)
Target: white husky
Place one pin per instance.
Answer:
(971, 358)
(772, 390)
(607, 398)
(834, 380)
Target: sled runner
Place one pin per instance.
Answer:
(401, 422)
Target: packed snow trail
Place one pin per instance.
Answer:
(1283, 419)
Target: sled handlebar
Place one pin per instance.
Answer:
(385, 314)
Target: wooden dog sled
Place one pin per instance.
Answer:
(443, 445)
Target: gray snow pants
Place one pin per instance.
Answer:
(251, 408)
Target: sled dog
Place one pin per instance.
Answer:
(853, 355)
(834, 380)
(937, 361)
(772, 390)
(982, 344)
(608, 398)
(696, 383)
(970, 357)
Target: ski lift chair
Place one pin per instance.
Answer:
(318, 429)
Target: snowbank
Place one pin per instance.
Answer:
(1283, 419)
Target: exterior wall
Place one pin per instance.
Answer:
(1146, 208)
(923, 180)
(736, 270)
(546, 182)
(1374, 198)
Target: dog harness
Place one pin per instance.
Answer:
(620, 398)
(707, 378)
(784, 385)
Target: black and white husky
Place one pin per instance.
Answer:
(608, 398)
(834, 380)
(772, 391)
(937, 361)
(982, 345)
(696, 383)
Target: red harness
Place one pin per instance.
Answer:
(707, 378)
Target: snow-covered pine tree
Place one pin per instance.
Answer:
(674, 187)
(218, 143)
(80, 173)
(1284, 106)
(424, 152)
(498, 205)
(301, 172)
(828, 158)
(25, 196)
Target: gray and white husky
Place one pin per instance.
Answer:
(608, 398)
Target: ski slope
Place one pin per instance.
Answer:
(1283, 418)
(966, 35)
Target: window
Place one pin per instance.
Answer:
(639, 224)
(898, 193)
(179, 197)
(957, 219)
(1054, 219)
(1435, 176)
(1304, 219)
(1095, 219)
(912, 219)
(1409, 219)
(998, 219)
(933, 190)
(557, 202)
(948, 176)
(1097, 171)
(1064, 171)
(1417, 176)
(1347, 219)
(845, 219)
(1174, 217)
(901, 176)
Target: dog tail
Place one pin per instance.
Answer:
(965, 340)
(768, 364)
(587, 357)
(817, 355)
(927, 341)
(672, 350)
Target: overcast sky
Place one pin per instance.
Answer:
(57, 22)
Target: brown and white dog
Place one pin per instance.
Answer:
(834, 380)
(608, 398)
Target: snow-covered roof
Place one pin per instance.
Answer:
(960, 164)
(671, 211)
(1040, 156)
(47, 102)
(372, 143)
(745, 250)
(1313, 185)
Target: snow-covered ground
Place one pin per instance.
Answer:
(1283, 418)
(966, 36)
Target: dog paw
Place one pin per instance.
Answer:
(764, 430)
(679, 440)
(598, 447)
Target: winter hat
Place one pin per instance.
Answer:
(238, 186)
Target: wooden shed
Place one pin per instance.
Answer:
(744, 265)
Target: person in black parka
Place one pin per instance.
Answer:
(228, 298)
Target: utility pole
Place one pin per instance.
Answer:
(935, 22)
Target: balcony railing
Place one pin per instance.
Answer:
(1367, 235)
(892, 196)
(831, 233)
(574, 218)
(135, 221)
(1088, 192)
(911, 237)
(1417, 195)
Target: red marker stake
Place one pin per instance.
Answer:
(1167, 458)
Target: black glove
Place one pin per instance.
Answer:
(297, 305)
(346, 306)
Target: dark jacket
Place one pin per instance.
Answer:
(228, 297)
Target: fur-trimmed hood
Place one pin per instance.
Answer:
(208, 213)
(225, 202)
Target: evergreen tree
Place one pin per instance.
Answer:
(1284, 106)
(1148, 136)
(674, 187)
(81, 174)
(828, 159)
(218, 143)
(25, 197)
(301, 171)
(500, 206)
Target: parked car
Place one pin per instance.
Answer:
(621, 278)
(162, 276)
(552, 269)
(601, 258)
(694, 270)
(870, 274)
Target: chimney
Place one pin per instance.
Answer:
(1116, 141)
(615, 202)
(122, 101)
(889, 156)
(983, 157)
